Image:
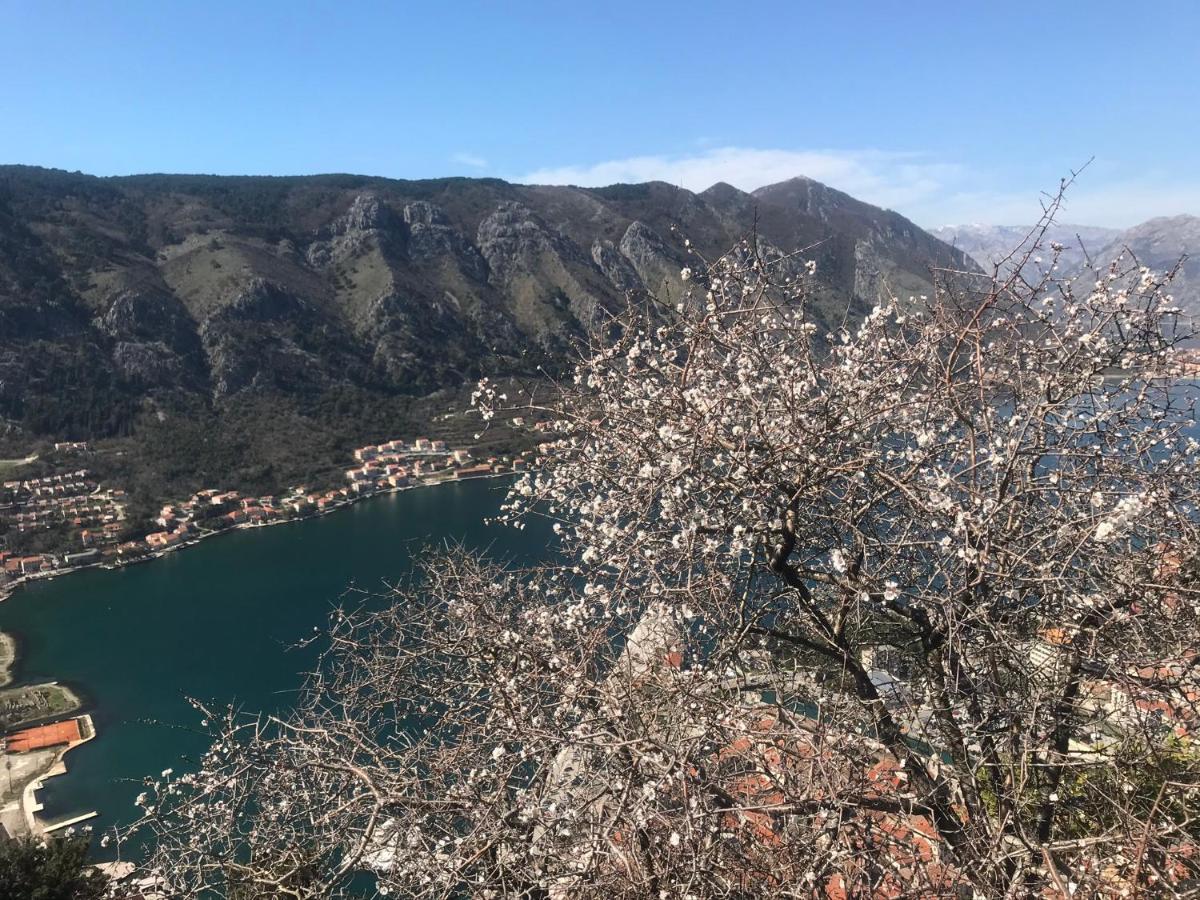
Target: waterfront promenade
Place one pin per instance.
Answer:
(386, 468)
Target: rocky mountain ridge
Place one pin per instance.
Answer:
(122, 295)
(991, 244)
(1163, 244)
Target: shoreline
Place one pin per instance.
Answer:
(74, 703)
(28, 803)
(20, 811)
(8, 658)
(10, 589)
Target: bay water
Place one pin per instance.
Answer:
(221, 622)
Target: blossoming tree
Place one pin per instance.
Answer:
(902, 607)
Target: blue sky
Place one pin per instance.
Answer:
(947, 112)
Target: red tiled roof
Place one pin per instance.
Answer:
(44, 736)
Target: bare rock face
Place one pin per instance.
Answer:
(363, 223)
(422, 212)
(616, 268)
(431, 239)
(366, 213)
(655, 263)
(152, 364)
(156, 344)
(149, 315)
(308, 290)
(556, 290)
(513, 240)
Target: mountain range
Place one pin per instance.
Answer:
(322, 302)
(235, 330)
(1160, 243)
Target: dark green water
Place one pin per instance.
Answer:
(215, 622)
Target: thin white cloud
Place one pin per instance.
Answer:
(1110, 204)
(925, 189)
(469, 159)
(880, 177)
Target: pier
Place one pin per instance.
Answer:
(57, 739)
(67, 823)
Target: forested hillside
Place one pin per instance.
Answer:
(251, 328)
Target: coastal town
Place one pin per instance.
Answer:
(97, 515)
(70, 499)
(41, 723)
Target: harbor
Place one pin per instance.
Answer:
(231, 621)
(383, 469)
(31, 756)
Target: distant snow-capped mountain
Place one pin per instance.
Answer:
(1160, 243)
(991, 244)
